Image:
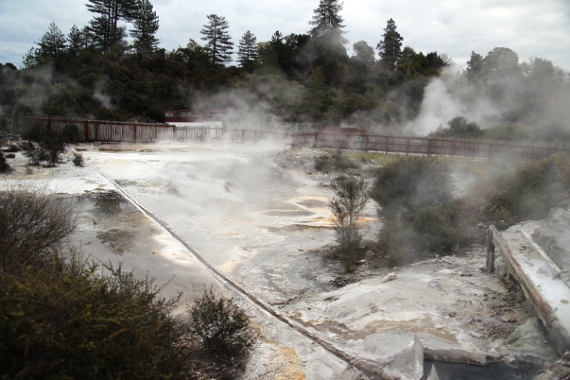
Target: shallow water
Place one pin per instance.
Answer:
(493, 371)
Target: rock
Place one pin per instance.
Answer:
(399, 352)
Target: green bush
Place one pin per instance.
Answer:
(459, 127)
(63, 322)
(70, 134)
(31, 225)
(412, 182)
(418, 208)
(4, 166)
(528, 190)
(350, 198)
(334, 162)
(221, 327)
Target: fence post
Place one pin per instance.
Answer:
(490, 247)
(86, 131)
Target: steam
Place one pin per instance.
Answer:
(448, 96)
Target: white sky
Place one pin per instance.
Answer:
(531, 28)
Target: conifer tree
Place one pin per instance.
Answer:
(145, 27)
(247, 50)
(328, 23)
(390, 47)
(218, 41)
(105, 29)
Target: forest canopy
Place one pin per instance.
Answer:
(385, 86)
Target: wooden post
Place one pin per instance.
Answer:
(490, 252)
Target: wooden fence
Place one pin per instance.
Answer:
(427, 145)
(112, 131)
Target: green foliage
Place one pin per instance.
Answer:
(32, 225)
(459, 127)
(218, 41)
(337, 161)
(64, 322)
(145, 27)
(4, 166)
(412, 183)
(420, 216)
(222, 328)
(78, 159)
(349, 201)
(526, 191)
(389, 48)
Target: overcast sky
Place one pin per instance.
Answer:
(531, 28)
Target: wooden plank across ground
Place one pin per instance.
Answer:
(540, 281)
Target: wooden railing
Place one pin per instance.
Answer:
(428, 145)
(113, 131)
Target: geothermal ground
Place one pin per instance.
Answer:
(252, 222)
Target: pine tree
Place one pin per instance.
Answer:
(76, 40)
(247, 50)
(390, 47)
(104, 28)
(145, 27)
(51, 48)
(218, 42)
(328, 23)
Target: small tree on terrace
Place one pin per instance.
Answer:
(247, 50)
(350, 199)
(218, 42)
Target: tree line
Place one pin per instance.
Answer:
(95, 72)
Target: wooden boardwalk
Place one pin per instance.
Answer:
(337, 138)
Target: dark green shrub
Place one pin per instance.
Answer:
(526, 191)
(4, 166)
(222, 328)
(420, 217)
(459, 127)
(70, 134)
(63, 322)
(334, 162)
(412, 182)
(78, 159)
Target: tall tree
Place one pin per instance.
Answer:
(218, 41)
(327, 41)
(76, 40)
(328, 23)
(105, 28)
(51, 48)
(247, 50)
(145, 27)
(390, 47)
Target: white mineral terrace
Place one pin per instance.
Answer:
(257, 216)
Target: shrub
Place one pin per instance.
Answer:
(64, 322)
(336, 161)
(412, 182)
(32, 223)
(78, 159)
(526, 191)
(4, 166)
(459, 127)
(420, 217)
(70, 134)
(221, 327)
(350, 199)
